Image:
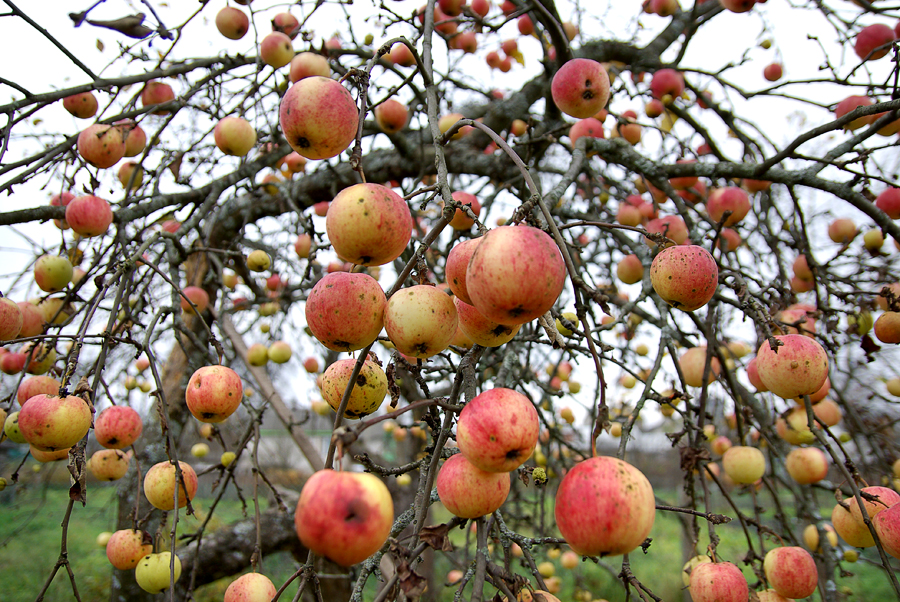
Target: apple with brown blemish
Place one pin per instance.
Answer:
(684, 276)
(796, 367)
(604, 507)
(498, 430)
(52, 423)
(469, 492)
(368, 392)
(234, 136)
(157, 93)
(391, 116)
(847, 517)
(345, 311)
(126, 547)
(368, 224)
(117, 427)
(344, 516)
(420, 320)
(101, 145)
(481, 330)
(319, 117)
(213, 393)
(159, 485)
(580, 88)
(109, 464)
(82, 106)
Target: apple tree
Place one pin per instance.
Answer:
(477, 265)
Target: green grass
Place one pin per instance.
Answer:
(30, 537)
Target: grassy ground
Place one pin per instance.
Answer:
(30, 535)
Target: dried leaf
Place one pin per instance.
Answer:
(437, 536)
(100, 45)
(412, 583)
(131, 26)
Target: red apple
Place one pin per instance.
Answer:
(773, 72)
(718, 582)
(368, 224)
(889, 202)
(89, 215)
(82, 106)
(159, 485)
(11, 317)
(287, 24)
(101, 145)
(402, 55)
(797, 367)
(457, 265)
(252, 587)
(156, 93)
(670, 226)
(887, 526)
(308, 64)
(461, 221)
(604, 507)
(125, 548)
(580, 88)
(871, 39)
(479, 329)
(887, 327)
(276, 50)
(806, 465)
(693, 363)
(195, 295)
(515, 275)
(52, 423)
(589, 127)
(469, 492)
(345, 311)
(685, 277)
(842, 230)
(213, 393)
(117, 427)
(498, 430)
(420, 320)
(732, 199)
(667, 85)
(135, 137)
(318, 117)
(849, 104)
(344, 516)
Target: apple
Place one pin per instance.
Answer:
(213, 393)
(227, 458)
(252, 587)
(259, 261)
(791, 571)
(195, 295)
(667, 85)
(893, 387)
(52, 423)
(35, 386)
(515, 275)
(807, 465)
(318, 117)
(718, 582)
(420, 320)
(469, 492)
(280, 352)
(744, 464)
(257, 354)
(457, 266)
(481, 330)
(732, 199)
(842, 230)
(89, 215)
(797, 367)
(693, 363)
(589, 128)
(887, 327)
(295, 163)
(135, 137)
(887, 526)
(11, 317)
(684, 276)
(580, 88)
(889, 202)
(690, 565)
(720, 445)
(870, 39)
(630, 131)
(154, 573)
(308, 64)
(345, 311)
(125, 172)
(12, 430)
(82, 106)
(461, 220)
(401, 55)
(344, 516)
(811, 537)
(368, 392)
(159, 485)
(480, 7)
(873, 240)
(61, 199)
(126, 547)
(232, 23)
(234, 136)
(849, 104)
(200, 450)
(629, 215)
(368, 224)
(156, 93)
(654, 108)
(109, 464)
(773, 72)
(48, 456)
(311, 365)
(448, 121)
(118, 427)
(801, 268)
(101, 145)
(276, 49)
(287, 24)
(103, 538)
(604, 507)
(498, 430)
(848, 523)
